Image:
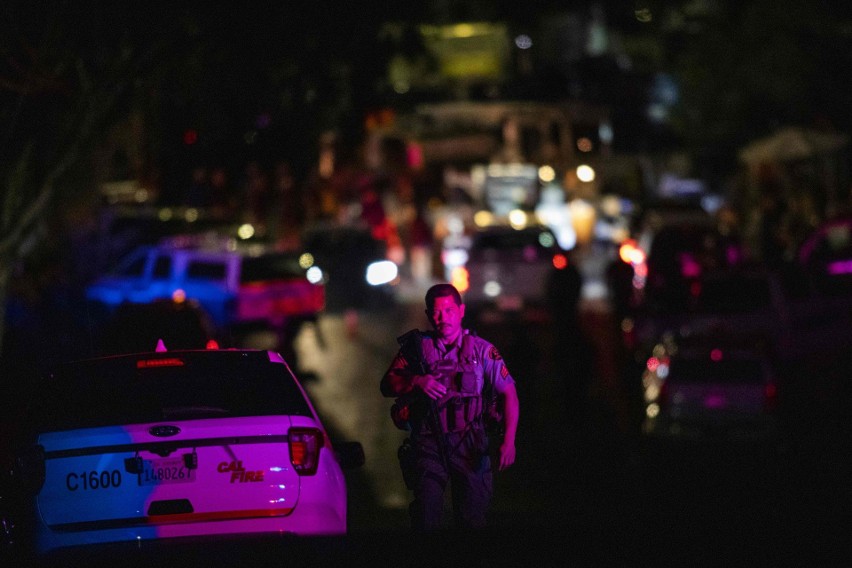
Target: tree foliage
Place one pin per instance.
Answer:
(66, 76)
(752, 66)
(71, 73)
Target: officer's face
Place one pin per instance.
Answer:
(446, 317)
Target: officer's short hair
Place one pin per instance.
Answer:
(440, 291)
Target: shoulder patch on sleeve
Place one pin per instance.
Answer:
(494, 354)
(504, 372)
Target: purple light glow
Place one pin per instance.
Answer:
(715, 401)
(840, 267)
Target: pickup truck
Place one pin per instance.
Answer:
(235, 285)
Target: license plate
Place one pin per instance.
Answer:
(169, 470)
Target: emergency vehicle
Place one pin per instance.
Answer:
(192, 443)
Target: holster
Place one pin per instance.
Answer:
(407, 456)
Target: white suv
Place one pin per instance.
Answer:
(144, 447)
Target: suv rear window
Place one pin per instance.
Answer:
(271, 267)
(115, 392)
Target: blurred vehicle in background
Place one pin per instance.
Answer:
(708, 389)
(818, 283)
(237, 285)
(825, 258)
(746, 300)
(172, 444)
(356, 270)
(134, 328)
(509, 269)
(121, 228)
(679, 259)
(670, 241)
(676, 256)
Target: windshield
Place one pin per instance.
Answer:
(118, 391)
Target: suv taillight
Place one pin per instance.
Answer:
(305, 445)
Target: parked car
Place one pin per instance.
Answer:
(748, 299)
(162, 445)
(679, 255)
(236, 284)
(819, 284)
(715, 388)
(357, 271)
(510, 269)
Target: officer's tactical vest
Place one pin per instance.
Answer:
(465, 381)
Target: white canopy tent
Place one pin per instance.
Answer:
(791, 144)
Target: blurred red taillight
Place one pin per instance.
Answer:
(305, 445)
(770, 397)
(156, 363)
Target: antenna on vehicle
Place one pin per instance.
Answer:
(161, 347)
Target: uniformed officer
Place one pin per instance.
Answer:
(446, 378)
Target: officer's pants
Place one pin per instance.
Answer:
(469, 474)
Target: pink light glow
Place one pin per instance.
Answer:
(414, 156)
(689, 267)
(840, 267)
(715, 401)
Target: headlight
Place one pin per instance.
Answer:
(314, 275)
(381, 272)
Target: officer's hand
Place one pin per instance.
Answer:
(507, 455)
(430, 384)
